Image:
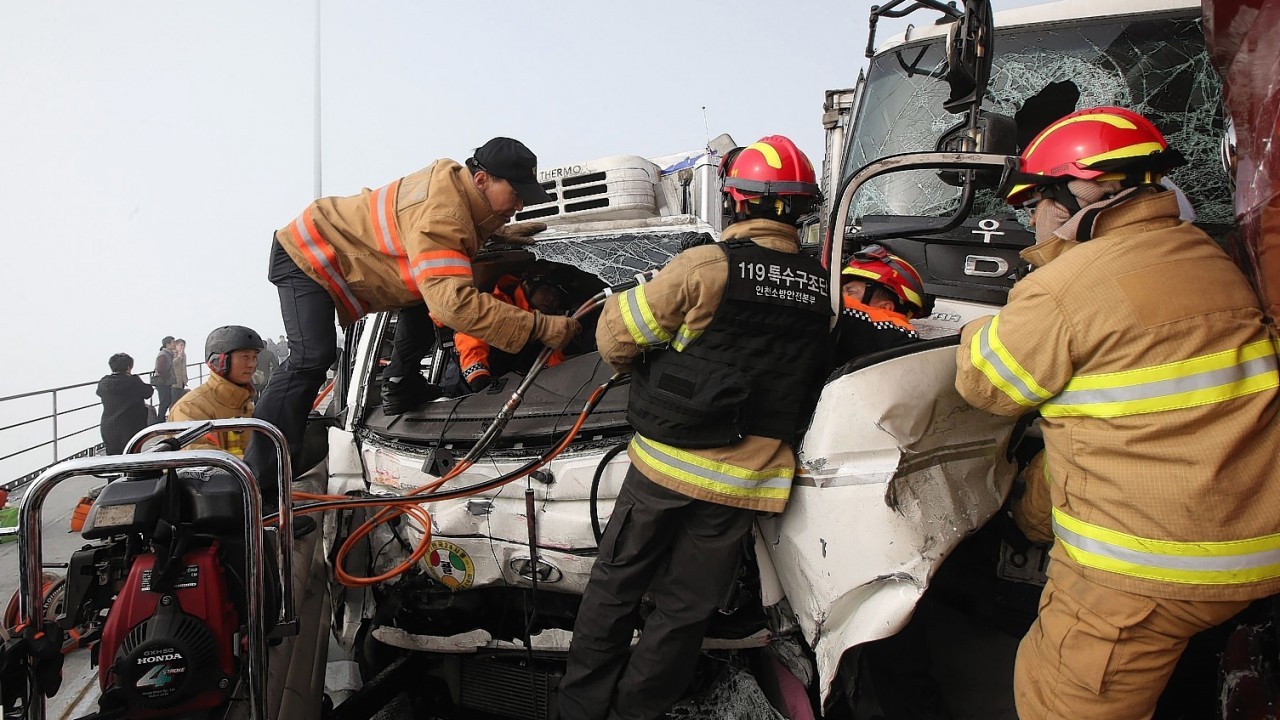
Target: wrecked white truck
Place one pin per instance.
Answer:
(460, 601)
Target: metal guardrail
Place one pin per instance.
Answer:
(57, 420)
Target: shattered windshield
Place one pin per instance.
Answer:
(1155, 66)
(617, 257)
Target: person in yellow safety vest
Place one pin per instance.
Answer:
(480, 363)
(405, 246)
(231, 353)
(1145, 351)
(727, 349)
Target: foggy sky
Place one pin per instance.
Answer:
(150, 148)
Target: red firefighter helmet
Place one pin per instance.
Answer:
(877, 264)
(1088, 144)
(772, 165)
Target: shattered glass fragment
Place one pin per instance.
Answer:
(735, 695)
(615, 258)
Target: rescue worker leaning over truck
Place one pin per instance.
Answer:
(1144, 349)
(402, 245)
(231, 353)
(726, 347)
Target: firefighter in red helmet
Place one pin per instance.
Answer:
(727, 349)
(880, 295)
(1144, 349)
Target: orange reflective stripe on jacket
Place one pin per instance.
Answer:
(441, 263)
(382, 215)
(324, 261)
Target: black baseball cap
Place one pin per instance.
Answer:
(510, 160)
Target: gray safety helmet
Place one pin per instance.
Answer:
(226, 340)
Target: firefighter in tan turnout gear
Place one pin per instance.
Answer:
(231, 352)
(408, 244)
(726, 348)
(1144, 349)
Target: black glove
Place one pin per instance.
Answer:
(45, 646)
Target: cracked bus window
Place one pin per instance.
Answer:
(1156, 66)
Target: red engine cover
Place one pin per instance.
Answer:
(201, 591)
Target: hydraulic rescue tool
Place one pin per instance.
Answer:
(174, 592)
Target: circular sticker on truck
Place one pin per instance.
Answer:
(450, 565)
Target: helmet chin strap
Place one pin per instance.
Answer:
(1061, 194)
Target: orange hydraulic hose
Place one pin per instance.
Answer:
(324, 393)
(409, 505)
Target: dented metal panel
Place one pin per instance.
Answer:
(890, 485)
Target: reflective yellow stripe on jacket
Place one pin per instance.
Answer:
(989, 355)
(715, 476)
(232, 441)
(1204, 380)
(684, 337)
(1200, 563)
(638, 317)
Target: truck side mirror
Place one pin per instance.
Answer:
(995, 134)
(969, 53)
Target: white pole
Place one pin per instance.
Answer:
(317, 185)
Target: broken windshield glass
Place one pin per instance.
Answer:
(617, 257)
(1155, 66)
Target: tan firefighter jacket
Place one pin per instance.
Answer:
(753, 473)
(1145, 352)
(407, 242)
(217, 399)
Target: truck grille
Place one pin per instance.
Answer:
(508, 689)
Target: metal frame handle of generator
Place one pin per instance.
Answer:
(30, 540)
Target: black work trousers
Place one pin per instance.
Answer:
(685, 553)
(415, 337)
(165, 401)
(308, 313)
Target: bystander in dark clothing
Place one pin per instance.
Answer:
(124, 404)
(163, 376)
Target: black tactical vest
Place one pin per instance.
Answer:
(756, 369)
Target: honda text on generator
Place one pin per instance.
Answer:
(172, 593)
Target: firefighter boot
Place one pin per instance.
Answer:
(408, 393)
